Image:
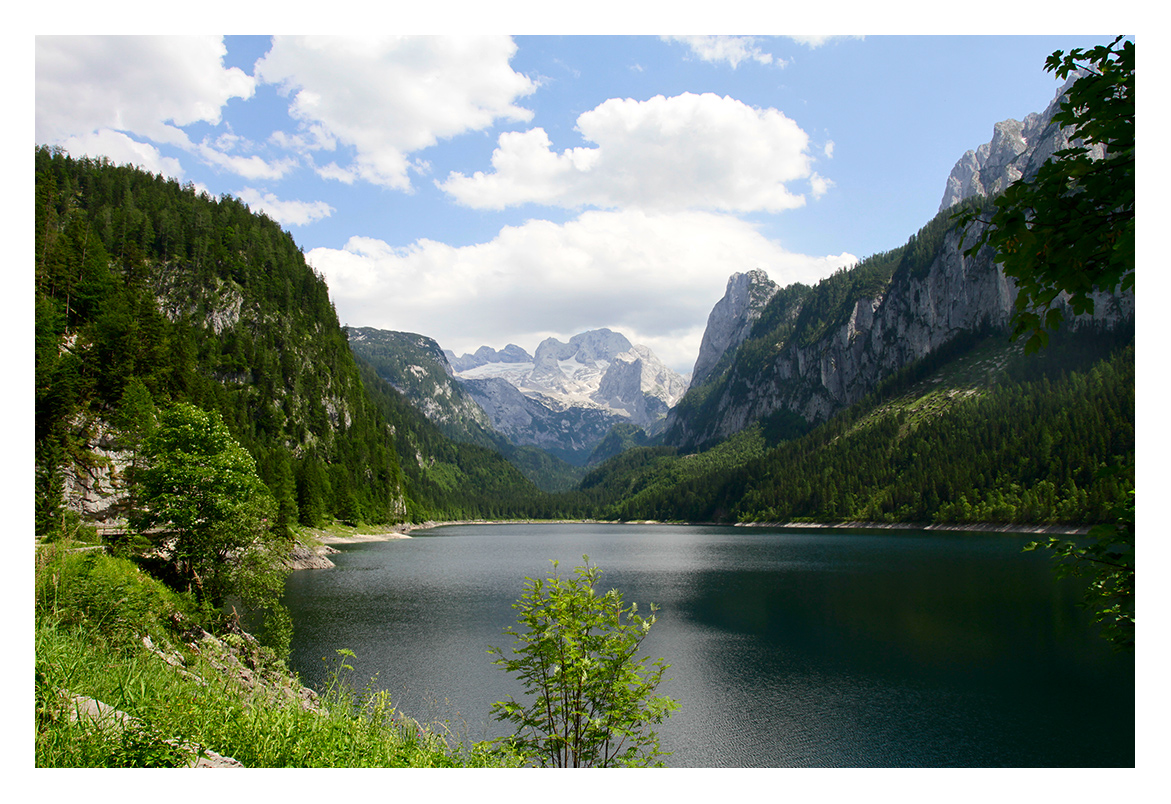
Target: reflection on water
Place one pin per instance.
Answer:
(822, 648)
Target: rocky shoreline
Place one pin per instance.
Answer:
(1054, 530)
(315, 556)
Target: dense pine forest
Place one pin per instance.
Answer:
(149, 293)
(987, 435)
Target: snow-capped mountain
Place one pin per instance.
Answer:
(582, 388)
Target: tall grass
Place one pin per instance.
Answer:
(92, 612)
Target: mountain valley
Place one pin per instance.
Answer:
(776, 365)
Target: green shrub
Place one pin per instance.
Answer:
(109, 595)
(591, 700)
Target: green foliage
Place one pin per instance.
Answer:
(1070, 228)
(1108, 561)
(201, 498)
(973, 434)
(201, 504)
(181, 712)
(594, 700)
(108, 596)
(622, 437)
(92, 614)
(834, 298)
(151, 293)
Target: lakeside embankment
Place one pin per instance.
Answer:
(1053, 530)
(315, 544)
(314, 556)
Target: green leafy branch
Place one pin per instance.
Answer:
(590, 699)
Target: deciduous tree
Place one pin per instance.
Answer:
(200, 498)
(590, 699)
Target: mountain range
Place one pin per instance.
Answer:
(148, 294)
(793, 356)
(563, 400)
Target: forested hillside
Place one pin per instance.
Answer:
(978, 433)
(149, 293)
(415, 365)
(448, 479)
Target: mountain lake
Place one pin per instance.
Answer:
(788, 647)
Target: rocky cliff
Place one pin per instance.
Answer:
(569, 432)
(731, 320)
(815, 351)
(1017, 148)
(418, 368)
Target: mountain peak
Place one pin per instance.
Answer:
(731, 319)
(1017, 149)
(486, 354)
(599, 377)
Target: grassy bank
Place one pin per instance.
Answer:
(109, 632)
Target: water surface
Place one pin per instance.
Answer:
(788, 648)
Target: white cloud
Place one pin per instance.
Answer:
(684, 152)
(388, 97)
(113, 92)
(819, 185)
(732, 49)
(121, 150)
(653, 277)
(288, 213)
(145, 85)
(812, 42)
(250, 167)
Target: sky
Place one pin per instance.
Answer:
(492, 189)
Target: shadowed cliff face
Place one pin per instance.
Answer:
(914, 314)
(814, 364)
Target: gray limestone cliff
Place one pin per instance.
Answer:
(638, 384)
(570, 432)
(1017, 149)
(914, 315)
(731, 320)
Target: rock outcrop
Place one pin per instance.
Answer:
(1017, 149)
(93, 715)
(567, 431)
(416, 367)
(731, 319)
(94, 483)
(304, 557)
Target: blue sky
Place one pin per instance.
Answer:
(500, 190)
